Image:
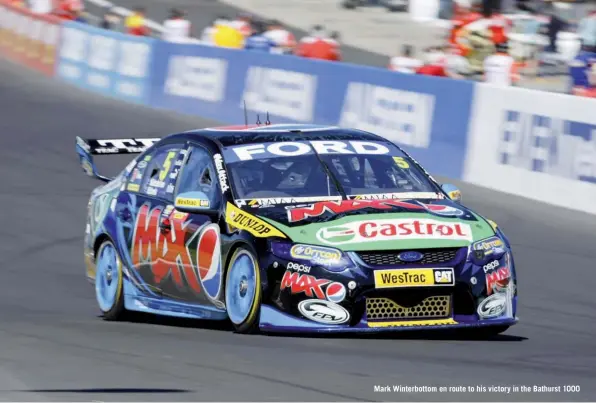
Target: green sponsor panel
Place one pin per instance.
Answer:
(390, 231)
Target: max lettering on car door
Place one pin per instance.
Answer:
(172, 254)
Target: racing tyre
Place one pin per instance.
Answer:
(108, 282)
(243, 291)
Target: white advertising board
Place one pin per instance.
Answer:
(534, 144)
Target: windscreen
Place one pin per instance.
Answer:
(325, 169)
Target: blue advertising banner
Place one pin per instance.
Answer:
(110, 63)
(427, 116)
(194, 79)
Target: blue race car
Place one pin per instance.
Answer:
(291, 228)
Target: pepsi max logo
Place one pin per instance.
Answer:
(336, 292)
(410, 256)
(443, 210)
(209, 261)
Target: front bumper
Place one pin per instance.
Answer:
(478, 296)
(274, 320)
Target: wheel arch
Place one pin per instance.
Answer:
(101, 238)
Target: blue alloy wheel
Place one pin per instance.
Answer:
(243, 291)
(108, 281)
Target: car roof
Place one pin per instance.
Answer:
(227, 136)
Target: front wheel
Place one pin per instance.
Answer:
(243, 291)
(108, 282)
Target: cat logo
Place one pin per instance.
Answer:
(444, 276)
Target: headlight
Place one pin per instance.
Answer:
(330, 258)
(490, 248)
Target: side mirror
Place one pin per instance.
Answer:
(193, 202)
(453, 192)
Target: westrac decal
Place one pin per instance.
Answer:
(393, 230)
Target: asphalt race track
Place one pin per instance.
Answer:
(55, 347)
(203, 12)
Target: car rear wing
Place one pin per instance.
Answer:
(86, 148)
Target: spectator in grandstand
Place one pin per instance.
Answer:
(135, 23)
(318, 45)
(455, 64)
(445, 62)
(333, 39)
(446, 9)
(284, 41)
(208, 34)
(69, 9)
(587, 32)
(226, 35)
(176, 28)
(18, 3)
(243, 23)
(109, 20)
(405, 62)
(258, 41)
(462, 18)
(500, 68)
(80, 16)
(433, 63)
(582, 71)
(40, 6)
(481, 46)
(555, 25)
(317, 31)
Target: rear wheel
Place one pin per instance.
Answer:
(243, 291)
(108, 282)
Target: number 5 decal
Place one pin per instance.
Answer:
(401, 162)
(167, 164)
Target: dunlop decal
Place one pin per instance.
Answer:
(237, 218)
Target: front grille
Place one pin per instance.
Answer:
(463, 300)
(429, 308)
(389, 258)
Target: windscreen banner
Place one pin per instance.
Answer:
(28, 38)
(111, 63)
(427, 116)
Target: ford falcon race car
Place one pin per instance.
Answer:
(291, 228)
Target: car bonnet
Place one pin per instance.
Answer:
(377, 224)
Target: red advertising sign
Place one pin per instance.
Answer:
(28, 38)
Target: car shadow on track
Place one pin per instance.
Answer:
(149, 319)
(440, 335)
(226, 326)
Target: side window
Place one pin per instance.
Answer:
(157, 172)
(199, 175)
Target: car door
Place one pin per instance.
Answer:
(198, 178)
(158, 257)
